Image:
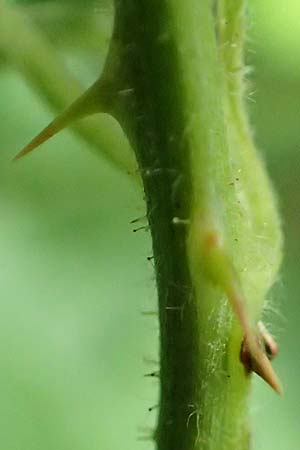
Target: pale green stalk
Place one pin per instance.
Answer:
(260, 232)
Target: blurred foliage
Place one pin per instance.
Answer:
(75, 278)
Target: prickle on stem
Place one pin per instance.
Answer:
(256, 356)
(257, 344)
(87, 104)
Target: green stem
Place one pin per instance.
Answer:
(164, 56)
(179, 95)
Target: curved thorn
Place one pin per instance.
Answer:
(87, 104)
(254, 359)
(263, 367)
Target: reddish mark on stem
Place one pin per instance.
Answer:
(212, 240)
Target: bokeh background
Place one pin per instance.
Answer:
(75, 281)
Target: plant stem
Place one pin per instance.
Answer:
(179, 96)
(164, 58)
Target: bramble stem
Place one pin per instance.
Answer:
(176, 86)
(172, 99)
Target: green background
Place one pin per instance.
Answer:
(75, 280)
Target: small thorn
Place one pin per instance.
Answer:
(152, 375)
(138, 219)
(178, 221)
(152, 408)
(174, 308)
(254, 359)
(145, 228)
(125, 92)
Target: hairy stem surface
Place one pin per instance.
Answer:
(174, 80)
(171, 99)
